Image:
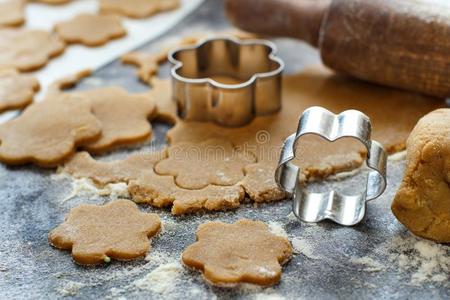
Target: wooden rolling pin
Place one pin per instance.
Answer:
(398, 43)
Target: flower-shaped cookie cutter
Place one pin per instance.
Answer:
(343, 209)
(226, 81)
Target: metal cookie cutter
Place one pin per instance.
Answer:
(226, 81)
(343, 209)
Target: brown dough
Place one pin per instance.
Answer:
(16, 90)
(148, 63)
(90, 30)
(12, 12)
(147, 187)
(393, 114)
(137, 8)
(53, 2)
(243, 252)
(28, 50)
(48, 132)
(124, 117)
(197, 165)
(259, 183)
(161, 95)
(422, 202)
(97, 233)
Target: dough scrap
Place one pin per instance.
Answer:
(124, 117)
(145, 186)
(48, 132)
(16, 90)
(422, 202)
(90, 30)
(137, 8)
(197, 165)
(12, 12)
(148, 63)
(97, 233)
(161, 95)
(259, 183)
(243, 252)
(27, 49)
(68, 81)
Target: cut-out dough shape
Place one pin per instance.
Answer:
(124, 117)
(243, 252)
(28, 50)
(137, 8)
(95, 234)
(259, 183)
(46, 133)
(145, 186)
(422, 202)
(16, 90)
(12, 12)
(90, 30)
(197, 165)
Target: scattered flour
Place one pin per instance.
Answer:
(304, 247)
(291, 216)
(85, 186)
(162, 280)
(265, 272)
(369, 264)
(70, 288)
(277, 229)
(426, 260)
(268, 297)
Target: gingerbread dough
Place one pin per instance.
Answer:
(145, 186)
(422, 202)
(393, 114)
(16, 90)
(124, 117)
(12, 12)
(161, 95)
(148, 63)
(243, 252)
(97, 233)
(137, 8)
(90, 30)
(48, 132)
(28, 50)
(54, 2)
(197, 165)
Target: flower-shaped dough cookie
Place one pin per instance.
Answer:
(124, 117)
(48, 132)
(97, 233)
(12, 12)
(16, 90)
(137, 8)
(28, 50)
(243, 252)
(196, 166)
(90, 30)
